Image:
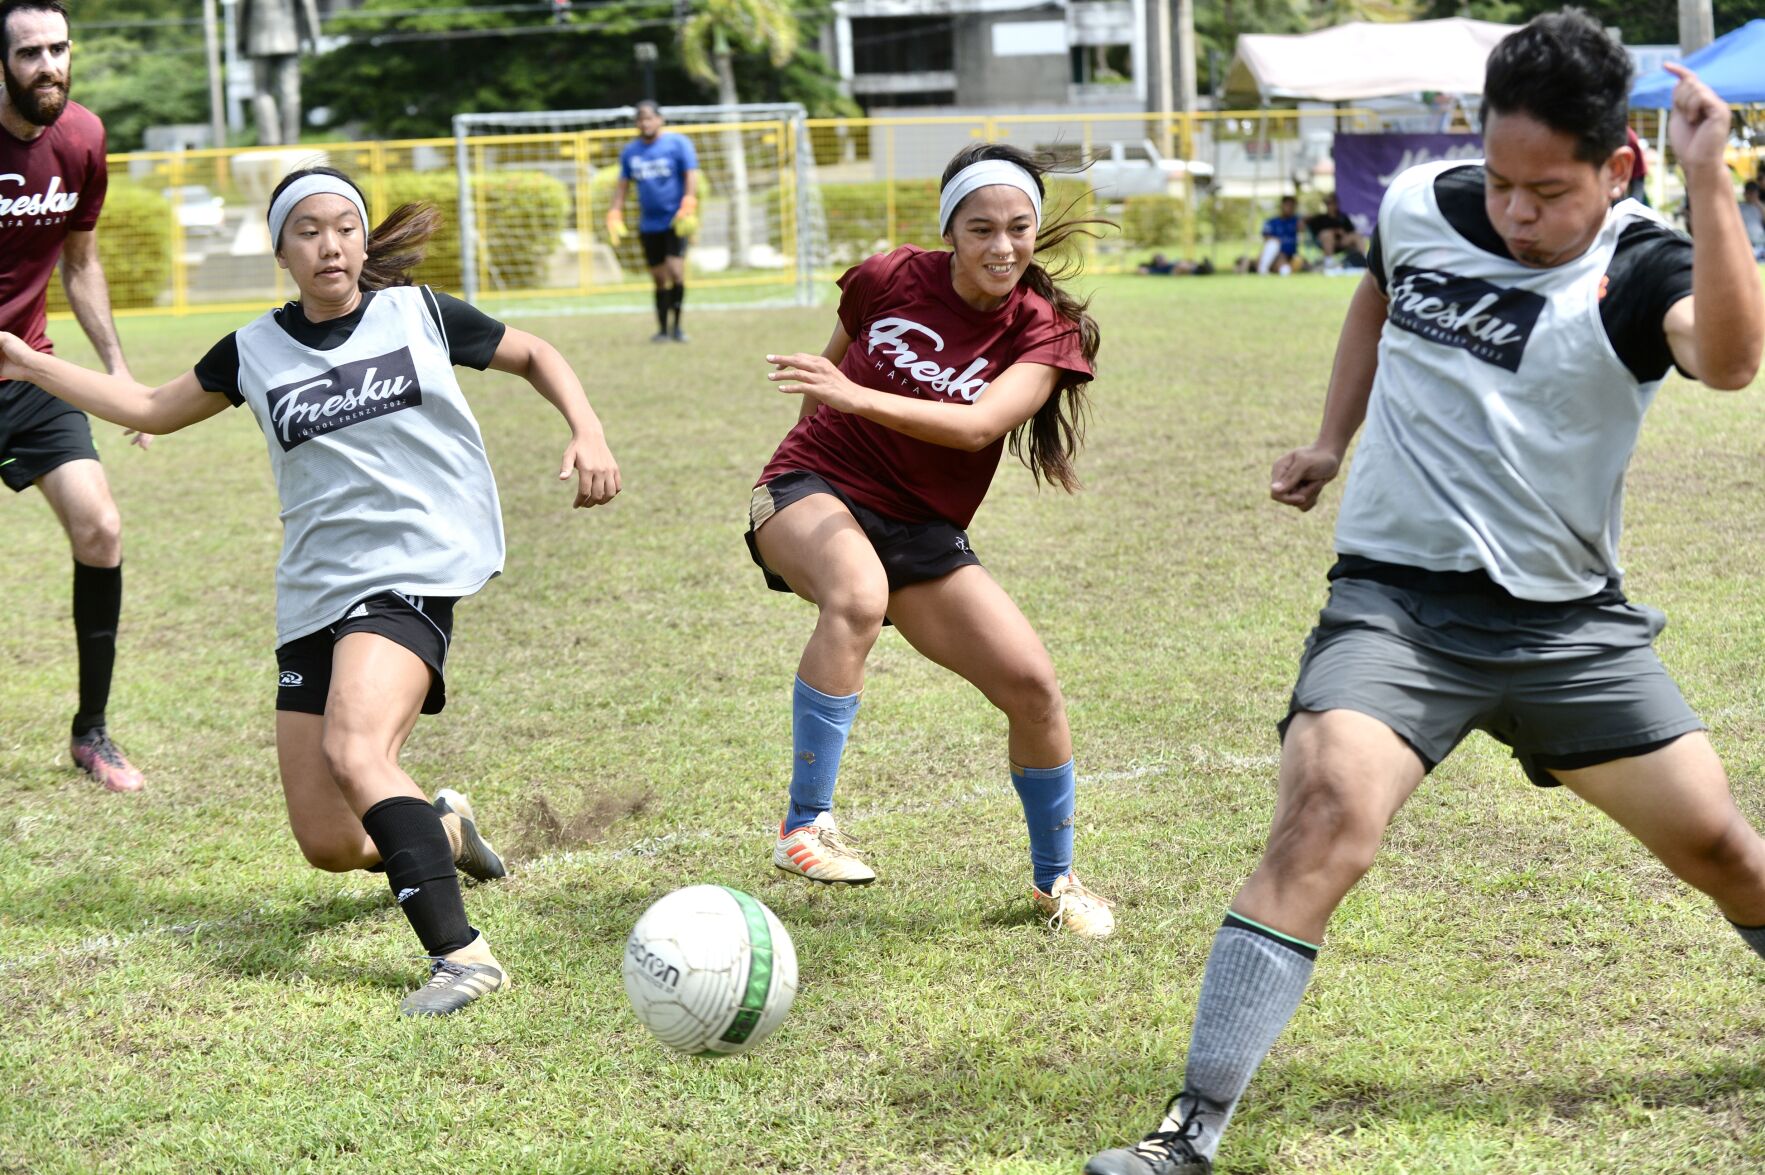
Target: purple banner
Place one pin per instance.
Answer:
(1366, 164)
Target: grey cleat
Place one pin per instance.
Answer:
(456, 980)
(1163, 1152)
(472, 853)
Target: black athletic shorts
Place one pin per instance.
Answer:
(911, 552)
(658, 247)
(38, 433)
(422, 624)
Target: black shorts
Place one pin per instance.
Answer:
(422, 624)
(38, 433)
(911, 552)
(658, 247)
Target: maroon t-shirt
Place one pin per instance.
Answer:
(49, 187)
(912, 335)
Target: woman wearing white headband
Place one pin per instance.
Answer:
(390, 514)
(938, 358)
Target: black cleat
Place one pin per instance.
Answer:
(678, 335)
(1163, 1152)
(456, 980)
(472, 853)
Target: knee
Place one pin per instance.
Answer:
(1031, 696)
(333, 858)
(97, 537)
(351, 760)
(1726, 853)
(1323, 831)
(857, 610)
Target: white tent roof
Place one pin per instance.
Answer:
(1360, 60)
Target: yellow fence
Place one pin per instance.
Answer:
(784, 202)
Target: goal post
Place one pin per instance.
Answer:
(534, 186)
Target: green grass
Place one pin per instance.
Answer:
(1516, 988)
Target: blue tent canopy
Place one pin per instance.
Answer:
(1732, 65)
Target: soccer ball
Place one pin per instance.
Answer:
(710, 970)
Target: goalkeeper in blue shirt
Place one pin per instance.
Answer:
(666, 171)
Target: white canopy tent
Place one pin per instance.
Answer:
(1359, 60)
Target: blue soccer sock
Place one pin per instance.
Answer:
(819, 725)
(1048, 796)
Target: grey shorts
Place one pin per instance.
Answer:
(1436, 655)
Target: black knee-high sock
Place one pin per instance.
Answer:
(420, 869)
(679, 293)
(98, 603)
(663, 295)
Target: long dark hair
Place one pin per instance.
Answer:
(1048, 441)
(397, 244)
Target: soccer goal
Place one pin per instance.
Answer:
(534, 187)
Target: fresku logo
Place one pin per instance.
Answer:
(50, 202)
(343, 396)
(1491, 322)
(888, 339)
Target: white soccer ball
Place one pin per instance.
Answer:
(710, 970)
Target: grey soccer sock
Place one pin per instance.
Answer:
(1253, 983)
(1754, 936)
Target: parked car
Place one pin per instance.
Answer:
(1124, 169)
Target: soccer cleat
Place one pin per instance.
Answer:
(103, 760)
(678, 335)
(821, 852)
(456, 980)
(660, 336)
(472, 853)
(1163, 1152)
(1073, 907)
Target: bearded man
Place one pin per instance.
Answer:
(52, 185)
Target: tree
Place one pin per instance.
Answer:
(708, 41)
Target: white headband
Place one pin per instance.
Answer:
(985, 174)
(317, 184)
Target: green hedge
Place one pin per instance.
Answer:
(135, 246)
(519, 217)
(858, 213)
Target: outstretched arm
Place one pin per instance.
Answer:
(587, 456)
(118, 399)
(1716, 334)
(1299, 476)
(1012, 397)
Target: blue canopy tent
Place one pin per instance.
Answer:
(1732, 65)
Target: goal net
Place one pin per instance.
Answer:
(534, 188)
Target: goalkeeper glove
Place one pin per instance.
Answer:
(686, 218)
(615, 227)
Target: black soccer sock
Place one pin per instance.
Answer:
(420, 870)
(679, 297)
(663, 295)
(1753, 936)
(98, 603)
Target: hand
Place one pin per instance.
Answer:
(616, 232)
(14, 355)
(597, 474)
(686, 218)
(816, 377)
(1698, 126)
(142, 439)
(1301, 475)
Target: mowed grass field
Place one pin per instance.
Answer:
(1517, 987)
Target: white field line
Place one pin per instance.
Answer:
(1126, 780)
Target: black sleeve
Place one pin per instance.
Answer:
(1650, 271)
(1376, 262)
(218, 371)
(472, 335)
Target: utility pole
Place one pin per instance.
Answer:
(1697, 27)
(211, 44)
(1167, 98)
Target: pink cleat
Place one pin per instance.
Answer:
(103, 760)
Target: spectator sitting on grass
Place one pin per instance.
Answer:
(1335, 233)
(1752, 215)
(1280, 239)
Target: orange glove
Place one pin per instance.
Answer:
(616, 231)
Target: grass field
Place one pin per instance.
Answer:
(1516, 988)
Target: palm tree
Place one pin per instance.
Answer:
(708, 41)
